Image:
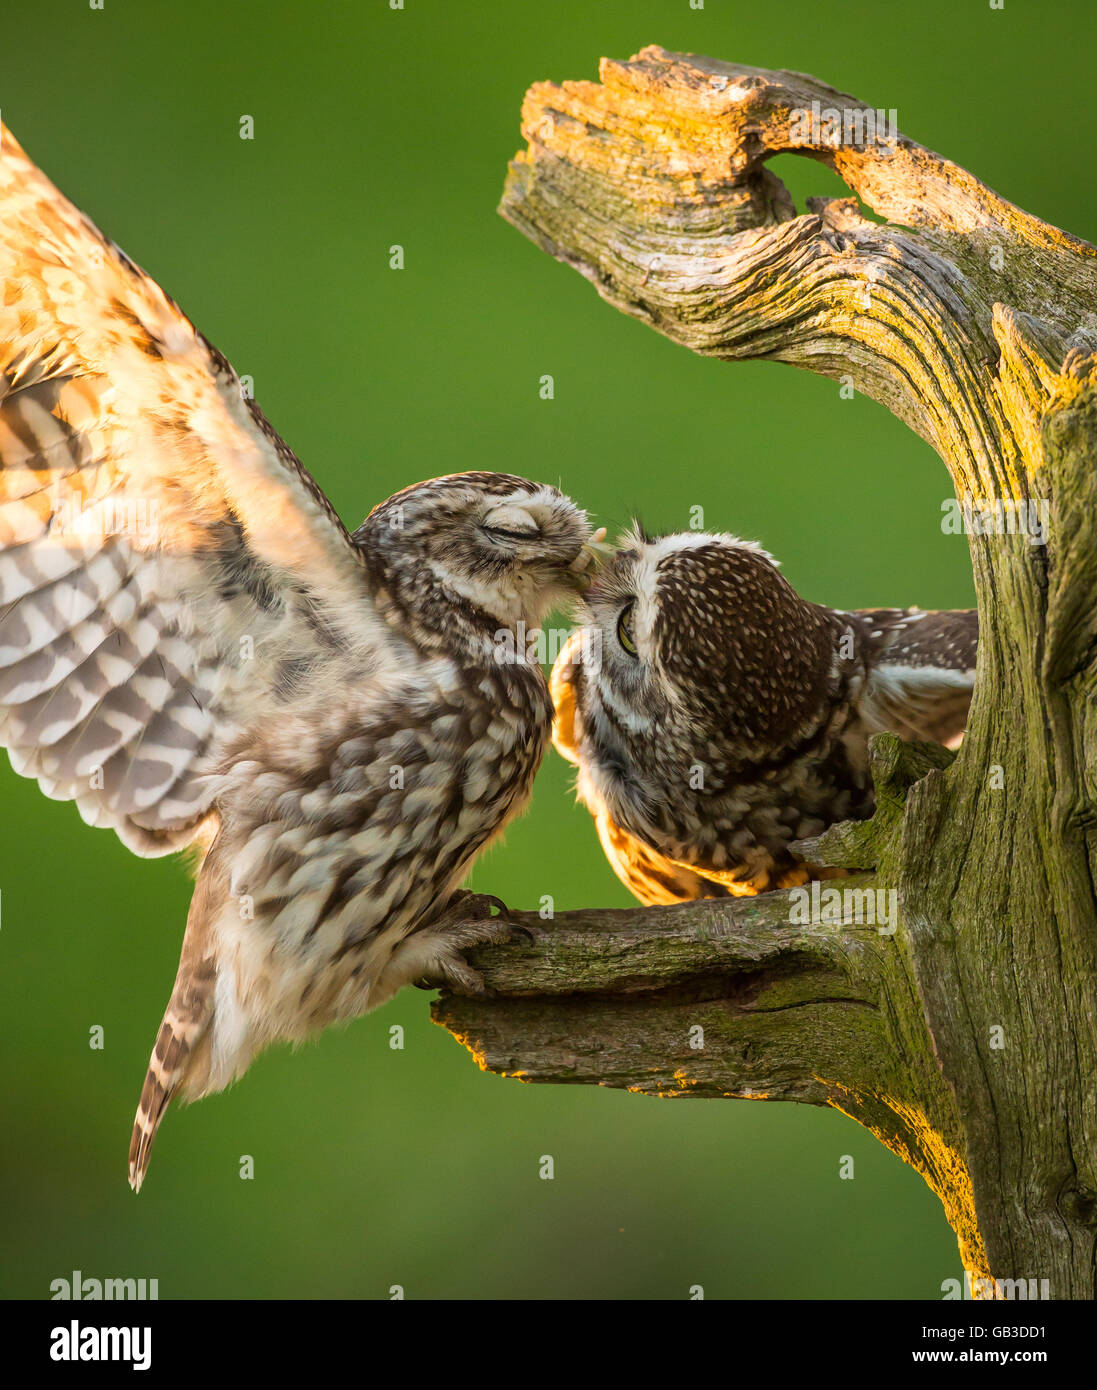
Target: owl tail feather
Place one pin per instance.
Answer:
(178, 1048)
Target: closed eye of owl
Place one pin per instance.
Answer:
(196, 651)
(715, 716)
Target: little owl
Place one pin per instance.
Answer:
(716, 717)
(196, 652)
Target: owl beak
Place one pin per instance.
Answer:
(592, 553)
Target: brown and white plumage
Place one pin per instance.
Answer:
(716, 718)
(195, 650)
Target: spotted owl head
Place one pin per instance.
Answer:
(694, 656)
(477, 550)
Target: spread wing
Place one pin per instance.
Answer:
(166, 564)
(923, 673)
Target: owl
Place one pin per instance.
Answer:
(197, 652)
(716, 717)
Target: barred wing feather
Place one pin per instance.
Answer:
(163, 554)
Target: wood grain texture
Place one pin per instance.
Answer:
(967, 1041)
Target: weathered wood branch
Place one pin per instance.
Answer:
(653, 185)
(611, 997)
(745, 997)
(967, 1041)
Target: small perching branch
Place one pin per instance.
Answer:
(745, 997)
(967, 1040)
(614, 997)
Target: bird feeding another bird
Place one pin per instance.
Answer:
(724, 718)
(197, 653)
(318, 714)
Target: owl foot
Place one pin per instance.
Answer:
(466, 922)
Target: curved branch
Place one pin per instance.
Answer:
(653, 185)
(797, 995)
(967, 1041)
(615, 998)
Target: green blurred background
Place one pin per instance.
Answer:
(376, 1167)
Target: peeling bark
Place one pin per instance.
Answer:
(966, 1041)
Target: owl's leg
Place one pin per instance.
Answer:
(438, 948)
(802, 872)
(793, 877)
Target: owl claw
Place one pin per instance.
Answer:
(468, 922)
(468, 906)
(456, 975)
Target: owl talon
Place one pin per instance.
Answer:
(208, 511)
(456, 975)
(468, 922)
(467, 906)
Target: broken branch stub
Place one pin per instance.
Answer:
(967, 1040)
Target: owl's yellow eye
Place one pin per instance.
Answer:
(624, 630)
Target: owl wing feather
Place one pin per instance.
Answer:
(164, 557)
(919, 685)
(922, 673)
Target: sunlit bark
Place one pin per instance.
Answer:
(966, 1040)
